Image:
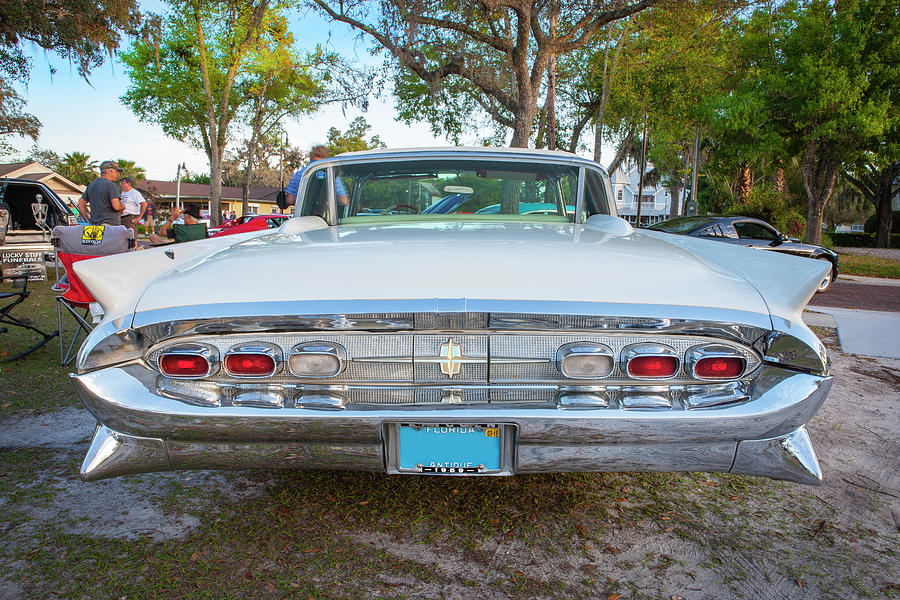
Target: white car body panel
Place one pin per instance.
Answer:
(375, 328)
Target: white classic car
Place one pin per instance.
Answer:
(396, 325)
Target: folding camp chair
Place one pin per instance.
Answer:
(189, 233)
(72, 244)
(15, 298)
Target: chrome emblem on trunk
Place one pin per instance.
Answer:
(451, 356)
(451, 359)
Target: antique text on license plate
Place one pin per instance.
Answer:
(449, 448)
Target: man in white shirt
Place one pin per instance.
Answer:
(135, 205)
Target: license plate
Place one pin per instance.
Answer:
(449, 449)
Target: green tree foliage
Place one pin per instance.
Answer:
(818, 81)
(280, 82)
(191, 80)
(766, 203)
(128, 168)
(82, 31)
(671, 58)
(78, 167)
(201, 178)
(847, 206)
(353, 139)
(45, 156)
(460, 59)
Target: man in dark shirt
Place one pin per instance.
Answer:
(101, 202)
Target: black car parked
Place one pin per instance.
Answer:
(752, 233)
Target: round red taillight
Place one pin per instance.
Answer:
(652, 366)
(249, 364)
(719, 367)
(183, 365)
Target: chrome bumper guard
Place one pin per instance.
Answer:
(142, 431)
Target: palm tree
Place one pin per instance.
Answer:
(127, 168)
(78, 168)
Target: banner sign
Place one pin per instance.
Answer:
(16, 263)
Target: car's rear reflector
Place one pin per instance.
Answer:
(317, 359)
(653, 366)
(249, 364)
(719, 367)
(183, 365)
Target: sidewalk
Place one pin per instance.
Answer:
(862, 332)
(868, 280)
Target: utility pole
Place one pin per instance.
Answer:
(181, 168)
(641, 174)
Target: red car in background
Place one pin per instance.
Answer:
(250, 223)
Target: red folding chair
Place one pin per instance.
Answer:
(73, 244)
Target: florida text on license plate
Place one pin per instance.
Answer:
(450, 448)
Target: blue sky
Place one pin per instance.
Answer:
(88, 117)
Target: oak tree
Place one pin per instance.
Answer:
(488, 56)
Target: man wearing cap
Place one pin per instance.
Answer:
(134, 203)
(167, 232)
(101, 202)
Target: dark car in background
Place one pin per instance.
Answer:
(17, 200)
(750, 233)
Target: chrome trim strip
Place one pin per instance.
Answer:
(339, 315)
(789, 456)
(579, 196)
(124, 400)
(332, 203)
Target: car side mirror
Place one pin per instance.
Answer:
(281, 200)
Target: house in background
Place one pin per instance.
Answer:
(35, 171)
(164, 195)
(656, 202)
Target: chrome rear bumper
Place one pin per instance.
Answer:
(143, 431)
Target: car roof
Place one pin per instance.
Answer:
(460, 153)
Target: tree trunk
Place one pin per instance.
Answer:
(819, 175)
(885, 217)
(745, 183)
(779, 181)
(248, 172)
(522, 128)
(215, 185)
(598, 140)
(624, 150)
(675, 191)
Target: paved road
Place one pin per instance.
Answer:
(852, 294)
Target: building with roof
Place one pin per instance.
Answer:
(35, 171)
(165, 194)
(656, 200)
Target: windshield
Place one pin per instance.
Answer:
(680, 224)
(447, 189)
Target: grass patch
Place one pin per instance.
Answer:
(319, 534)
(869, 266)
(36, 381)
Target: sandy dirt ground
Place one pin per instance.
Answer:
(770, 540)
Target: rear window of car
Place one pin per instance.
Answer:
(680, 224)
(447, 189)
